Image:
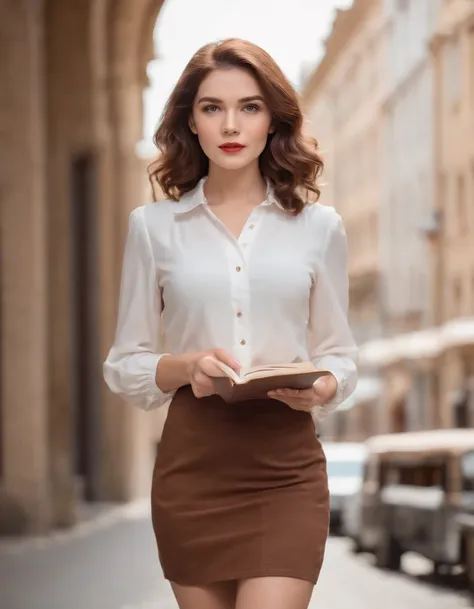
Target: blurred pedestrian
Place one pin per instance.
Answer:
(240, 264)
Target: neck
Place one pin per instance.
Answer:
(244, 186)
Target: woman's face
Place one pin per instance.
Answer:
(231, 118)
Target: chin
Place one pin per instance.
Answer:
(238, 161)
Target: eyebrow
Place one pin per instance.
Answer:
(242, 100)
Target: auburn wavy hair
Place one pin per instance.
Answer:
(290, 160)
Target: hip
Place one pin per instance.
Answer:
(248, 444)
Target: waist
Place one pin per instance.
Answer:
(271, 412)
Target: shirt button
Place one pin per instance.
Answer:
(242, 342)
(238, 269)
(252, 226)
(239, 314)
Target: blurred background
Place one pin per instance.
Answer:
(387, 88)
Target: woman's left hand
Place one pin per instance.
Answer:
(322, 392)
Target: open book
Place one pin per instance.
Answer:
(254, 383)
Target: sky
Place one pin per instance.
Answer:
(291, 31)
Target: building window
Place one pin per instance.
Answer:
(470, 203)
(461, 205)
(452, 72)
(447, 203)
(471, 62)
(457, 297)
(472, 292)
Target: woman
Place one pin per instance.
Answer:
(236, 265)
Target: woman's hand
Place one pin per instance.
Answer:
(322, 392)
(202, 367)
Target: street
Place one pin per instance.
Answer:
(112, 564)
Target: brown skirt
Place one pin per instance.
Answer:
(239, 491)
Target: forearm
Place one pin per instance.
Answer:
(173, 371)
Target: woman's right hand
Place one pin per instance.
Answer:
(203, 367)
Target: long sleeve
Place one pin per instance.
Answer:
(130, 367)
(332, 345)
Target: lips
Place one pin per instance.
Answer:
(231, 147)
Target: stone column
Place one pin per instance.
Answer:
(135, 445)
(24, 482)
(69, 141)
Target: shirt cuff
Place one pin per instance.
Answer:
(154, 396)
(135, 380)
(344, 371)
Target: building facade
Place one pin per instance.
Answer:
(407, 204)
(452, 48)
(426, 356)
(343, 103)
(418, 342)
(408, 185)
(71, 116)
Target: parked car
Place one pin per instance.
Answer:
(413, 494)
(466, 525)
(351, 519)
(345, 465)
(465, 518)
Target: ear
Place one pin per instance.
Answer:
(191, 124)
(272, 129)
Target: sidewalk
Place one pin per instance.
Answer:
(108, 562)
(111, 562)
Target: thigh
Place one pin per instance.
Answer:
(274, 593)
(214, 596)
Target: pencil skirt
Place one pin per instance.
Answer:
(239, 491)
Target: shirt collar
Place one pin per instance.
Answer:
(196, 197)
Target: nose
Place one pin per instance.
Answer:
(230, 126)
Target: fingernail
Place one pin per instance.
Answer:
(320, 382)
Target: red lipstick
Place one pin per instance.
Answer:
(231, 147)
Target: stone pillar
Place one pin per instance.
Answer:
(127, 442)
(109, 255)
(24, 483)
(128, 439)
(70, 143)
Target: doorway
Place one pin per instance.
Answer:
(85, 377)
(399, 416)
(1, 364)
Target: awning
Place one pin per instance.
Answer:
(423, 344)
(458, 333)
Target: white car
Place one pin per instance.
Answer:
(345, 467)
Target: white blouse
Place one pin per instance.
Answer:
(277, 294)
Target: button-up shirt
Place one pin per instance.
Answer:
(277, 294)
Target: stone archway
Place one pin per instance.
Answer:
(119, 35)
(74, 115)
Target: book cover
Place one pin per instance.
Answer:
(255, 383)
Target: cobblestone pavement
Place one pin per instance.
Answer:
(112, 564)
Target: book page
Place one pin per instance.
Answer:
(266, 370)
(256, 372)
(229, 372)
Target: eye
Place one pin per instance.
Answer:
(211, 109)
(251, 108)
